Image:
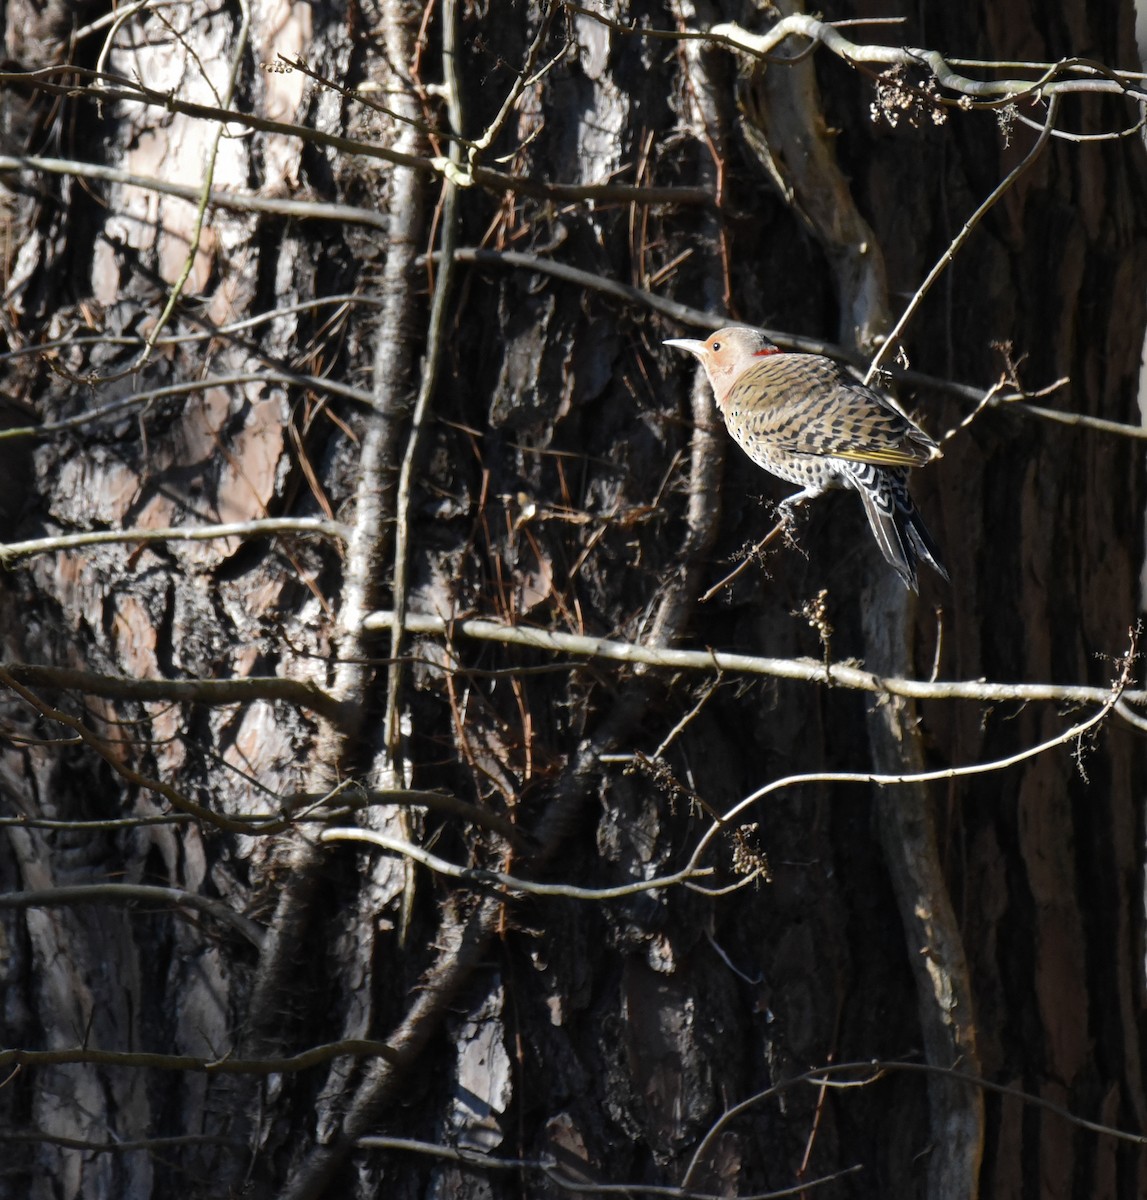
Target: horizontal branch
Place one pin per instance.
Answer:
(173, 533)
(806, 670)
(513, 883)
(352, 795)
(105, 88)
(208, 331)
(155, 1145)
(136, 893)
(703, 319)
(1078, 420)
(559, 1179)
(182, 388)
(114, 759)
(110, 825)
(316, 1056)
(1088, 76)
(298, 210)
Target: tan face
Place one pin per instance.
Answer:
(726, 353)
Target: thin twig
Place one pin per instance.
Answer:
(314, 1057)
(944, 773)
(431, 364)
(871, 1072)
(260, 527)
(155, 1145)
(749, 558)
(182, 388)
(949, 255)
(499, 879)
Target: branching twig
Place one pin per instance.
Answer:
(888, 780)
(949, 255)
(512, 883)
(747, 561)
(549, 1168)
(127, 90)
(870, 1073)
(174, 797)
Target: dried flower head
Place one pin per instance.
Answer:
(897, 98)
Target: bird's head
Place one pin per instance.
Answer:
(727, 353)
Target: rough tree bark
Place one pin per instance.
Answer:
(565, 473)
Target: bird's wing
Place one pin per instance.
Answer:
(807, 404)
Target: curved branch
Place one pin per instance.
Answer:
(948, 256)
(871, 1072)
(135, 893)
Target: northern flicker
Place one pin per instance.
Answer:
(803, 417)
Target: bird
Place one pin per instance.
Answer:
(804, 418)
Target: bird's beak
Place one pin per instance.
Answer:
(694, 347)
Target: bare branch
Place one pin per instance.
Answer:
(261, 527)
(868, 1073)
(114, 759)
(707, 319)
(184, 691)
(316, 1056)
(888, 780)
(156, 1145)
(513, 883)
(549, 1168)
(805, 669)
(130, 92)
(136, 893)
(180, 389)
(947, 257)
(299, 210)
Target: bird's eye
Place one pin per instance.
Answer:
(716, 347)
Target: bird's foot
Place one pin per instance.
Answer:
(787, 518)
(786, 514)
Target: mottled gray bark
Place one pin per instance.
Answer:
(569, 475)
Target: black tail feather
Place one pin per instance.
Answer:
(922, 541)
(900, 532)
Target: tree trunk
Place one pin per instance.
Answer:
(367, 334)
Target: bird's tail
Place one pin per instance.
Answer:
(899, 529)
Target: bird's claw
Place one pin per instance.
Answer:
(786, 516)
